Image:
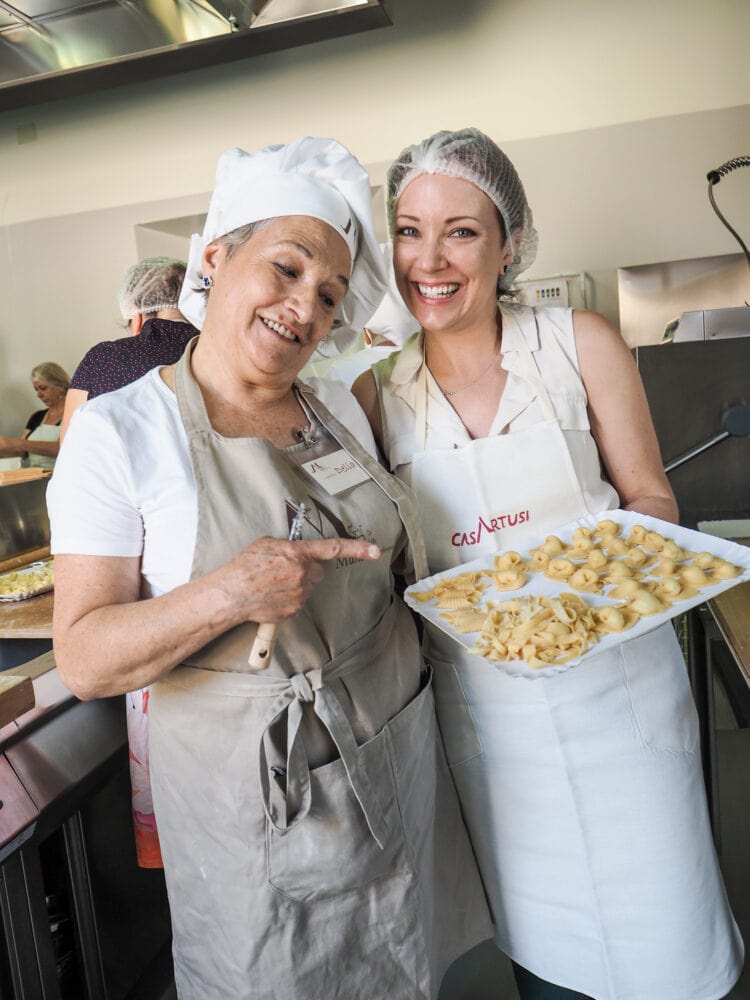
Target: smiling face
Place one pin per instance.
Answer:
(274, 297)
(448, 251)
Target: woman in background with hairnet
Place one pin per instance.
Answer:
(582, 791)
(148, 303)
(312, 843)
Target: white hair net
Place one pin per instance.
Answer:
(472, 156)
(309, 176)
(151, 285)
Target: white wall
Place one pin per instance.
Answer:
(613, 112)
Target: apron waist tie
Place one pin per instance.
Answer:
(286, 791)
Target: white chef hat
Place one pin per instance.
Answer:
(392, 320)
(309, 176)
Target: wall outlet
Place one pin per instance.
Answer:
(549, 292)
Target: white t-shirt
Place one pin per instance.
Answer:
(124, 483)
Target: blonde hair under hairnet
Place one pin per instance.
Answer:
(472, 156)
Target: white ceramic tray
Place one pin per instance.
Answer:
(538, 584)
(22, 580)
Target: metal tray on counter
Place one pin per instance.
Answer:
(27, 581)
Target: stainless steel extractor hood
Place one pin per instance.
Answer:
(60, 48)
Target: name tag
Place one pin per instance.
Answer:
(336, 472)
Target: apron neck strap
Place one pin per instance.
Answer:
(189, 399)
(390, 485)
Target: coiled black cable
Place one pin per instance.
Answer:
(713, 177)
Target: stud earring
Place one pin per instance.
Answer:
(207, 281)
(506, 268)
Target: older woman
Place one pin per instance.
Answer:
(39, 443)
(311, 846)
(582, 791)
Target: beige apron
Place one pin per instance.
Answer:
(583, 792)
(43, 432)
(312, 842)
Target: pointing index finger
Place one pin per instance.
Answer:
(337, 548)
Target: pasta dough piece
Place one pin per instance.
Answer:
(695, 576)
(538, 562)
(703, 560)
(581, 549)
(586, 579)
(672, 550)
(626, 589)
(552, 546)
(646, 603)
(560, 569)
(583, 534)
(464, 583)
(466, 621)
(597, 559)
(508, 560)
(637, 558)
(615, 572)
(665, 567)
(637, 534)
(654, 542)
(509, 579)
(724, 570)
(457, 601)
(611, 619)
(671, 589)
(613, 545)
(608, 527)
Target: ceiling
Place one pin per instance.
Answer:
(58, 48)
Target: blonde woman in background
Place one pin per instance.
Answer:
(39, 443)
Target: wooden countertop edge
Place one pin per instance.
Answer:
(24, 559)
(17, 687)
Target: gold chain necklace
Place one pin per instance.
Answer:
(450, 393)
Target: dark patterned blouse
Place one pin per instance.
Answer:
(115, 363)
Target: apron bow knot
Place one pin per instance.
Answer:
(305, 685)
(286, 788)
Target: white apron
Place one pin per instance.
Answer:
(312, 840)
(43, 432)
(583, 792)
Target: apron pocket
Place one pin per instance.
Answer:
(412, 741)
(455, 719)
(332, 850)
(659, 691)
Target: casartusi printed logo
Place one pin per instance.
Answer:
(488, 526)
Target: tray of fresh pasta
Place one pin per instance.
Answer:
(570, 594)
(27, 581)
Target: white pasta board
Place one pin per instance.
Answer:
(539, 585)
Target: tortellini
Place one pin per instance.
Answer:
(644, 573)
